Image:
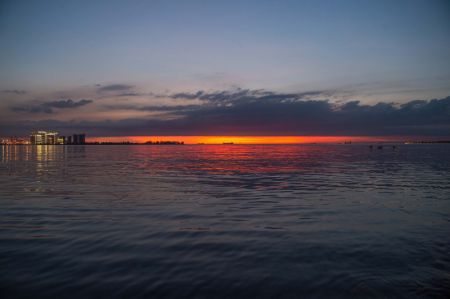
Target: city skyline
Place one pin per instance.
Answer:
(41, 137)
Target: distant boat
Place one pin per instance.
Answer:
(228, 143)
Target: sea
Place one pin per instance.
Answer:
(225, 221)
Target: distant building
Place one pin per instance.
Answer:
(37, 137)
(51, 137)
(82, 138)
(44, 137)
(79, 139)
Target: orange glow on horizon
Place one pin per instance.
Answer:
(244, 139)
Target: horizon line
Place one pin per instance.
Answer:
(252, 139)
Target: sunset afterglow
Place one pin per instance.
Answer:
(245, 139)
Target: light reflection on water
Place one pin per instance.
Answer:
(224, 221)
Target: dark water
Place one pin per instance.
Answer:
(329, 221)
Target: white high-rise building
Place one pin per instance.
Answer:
(44, 137)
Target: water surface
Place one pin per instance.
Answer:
(225, 221)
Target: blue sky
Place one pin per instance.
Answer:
(371, 51)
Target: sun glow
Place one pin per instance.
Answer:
(243, 139)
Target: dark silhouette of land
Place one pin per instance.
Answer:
(137, 143)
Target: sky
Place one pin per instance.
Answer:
(241, 68)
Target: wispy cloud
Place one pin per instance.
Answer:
(156, 108)
(47, 107)
(67, 103)
(14, 91)
(115, 87)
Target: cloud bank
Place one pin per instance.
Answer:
(259, 112)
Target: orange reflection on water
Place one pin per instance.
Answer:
(244, 139)
(226, 159)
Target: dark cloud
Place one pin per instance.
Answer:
(163, 108)
(115, 87)
(130, 94)
(14, 91)
(260, 112)
(247, 95)
(67, 103)
(47, 107)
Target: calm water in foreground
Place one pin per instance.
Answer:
(225, 221)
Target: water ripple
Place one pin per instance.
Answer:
(278, 221)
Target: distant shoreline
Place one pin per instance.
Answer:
(228, 144)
